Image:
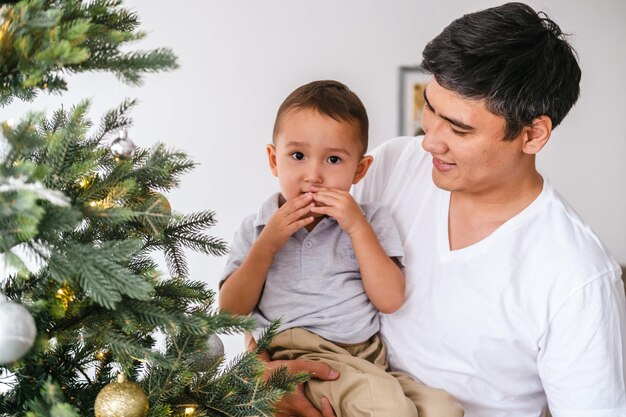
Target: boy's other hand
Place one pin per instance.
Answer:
(287, 220)
(341, 206)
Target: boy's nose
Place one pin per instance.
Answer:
(314, 175)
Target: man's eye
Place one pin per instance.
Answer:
(458, 132)
(334, 159)
(298, 156)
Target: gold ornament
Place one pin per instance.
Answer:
(158, 212)
(121, 398)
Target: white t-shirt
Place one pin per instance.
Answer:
(536, 306)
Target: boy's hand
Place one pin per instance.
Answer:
(341, 206)
(288, 219)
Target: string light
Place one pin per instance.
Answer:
(65, 295)
(83, 183)
(189, 411)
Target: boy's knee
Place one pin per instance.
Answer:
(440, 404)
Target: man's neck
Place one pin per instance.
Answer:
(474, 216)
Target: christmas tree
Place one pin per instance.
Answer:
(82, 212)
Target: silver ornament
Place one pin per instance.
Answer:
(17, 330)
(204, 361)
(215, 345)
(123, 147)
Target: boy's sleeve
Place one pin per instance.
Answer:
(239, 248)
(385, 229)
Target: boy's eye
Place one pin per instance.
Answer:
(298, 156)
(334, 159)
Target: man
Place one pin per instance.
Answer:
(513, 305)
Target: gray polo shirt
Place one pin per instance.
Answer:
(314, 281)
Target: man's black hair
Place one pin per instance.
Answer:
(514, 58)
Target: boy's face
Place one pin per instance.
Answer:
(314, 149)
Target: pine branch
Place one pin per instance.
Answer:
(179, 290)
(103, 277)
(42, 40)
(114, 120)
(51, 403)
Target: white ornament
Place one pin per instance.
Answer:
(17, 330)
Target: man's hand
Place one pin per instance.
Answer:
(287, 220)
(341, 206)
(297, 404)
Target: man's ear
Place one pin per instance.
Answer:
(537, 135)
(271, 157)
(361, 170)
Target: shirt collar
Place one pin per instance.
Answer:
(266, 211)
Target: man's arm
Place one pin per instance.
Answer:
(382, 278)
(582, 358)
(240, 292)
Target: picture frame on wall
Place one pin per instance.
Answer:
(412, 82)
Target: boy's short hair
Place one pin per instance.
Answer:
(330, 98)
(514, 58)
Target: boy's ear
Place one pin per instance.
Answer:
(271, 156)
(361, 170)
(537, 135)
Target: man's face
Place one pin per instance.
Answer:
(467, 145)
(314, 149)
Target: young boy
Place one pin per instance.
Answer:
(323, 264)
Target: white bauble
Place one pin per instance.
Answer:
(17, 331)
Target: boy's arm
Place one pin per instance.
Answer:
(240, 292)
(383, 279)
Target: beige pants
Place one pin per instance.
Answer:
(364, 388)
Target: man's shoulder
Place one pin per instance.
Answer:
(569, 241)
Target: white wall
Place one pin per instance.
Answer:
(240, 58)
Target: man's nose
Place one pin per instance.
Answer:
(434, 142)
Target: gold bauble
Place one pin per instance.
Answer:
(158, 213)
(121, 398)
